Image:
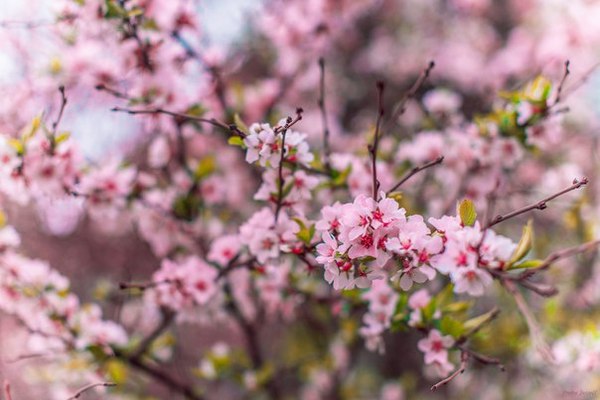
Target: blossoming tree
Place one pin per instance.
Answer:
(340, 206)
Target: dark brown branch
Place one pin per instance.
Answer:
(142, 286)
(103, 88)
(233, 129)
(161, 376)
(483, 359)
(464, 358)
(168, 317)
(323, 108)
(415, 171)
(89, 387)
(61, 110)
(540, 205)
(373, 148)
(280, 181)
(412, 92)
(562, 83)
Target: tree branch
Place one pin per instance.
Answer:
(322, 107)
(464, 358)
(415, 171)
(540, 205)
(375, 145)
(89, 387)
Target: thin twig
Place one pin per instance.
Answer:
(534, 328)
(373, 148)
(562, 83)
(63, 104)
(412, 92)
(464, 358)
(91, 386)
(161, 376)
(323, 108)
(558, 255)
(483, 359)
(168, 317)
(540, 205)
(415, 171)
(120, 95)
(280, 181)
(211, 121)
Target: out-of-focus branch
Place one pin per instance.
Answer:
(400, 108)
(415, 171)
(89, 387)
(61, 110)
(464, 358)
(373, 148)
(540, 205)
(325, 123)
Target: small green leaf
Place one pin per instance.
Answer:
(205, 167)
(527, 264)
(114, 10)
(467, 213)
(474, 324)
(117, 371)
(236, 141)
(525, 243)
(196, 110)
(62, 137)
(451, 326)
(237, 120)
(457, 307)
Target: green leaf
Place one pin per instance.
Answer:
(525, 243)
(114, 10)
(451, 326)
(205, 167)
(340, 177)
(527, 264)
(467, 213)
(429, 310)
(305, 234)
(237, 120)
(62, 137)
(474, 324)
(196, 110)
(457, 307)
(117, 371)
(236, 141)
